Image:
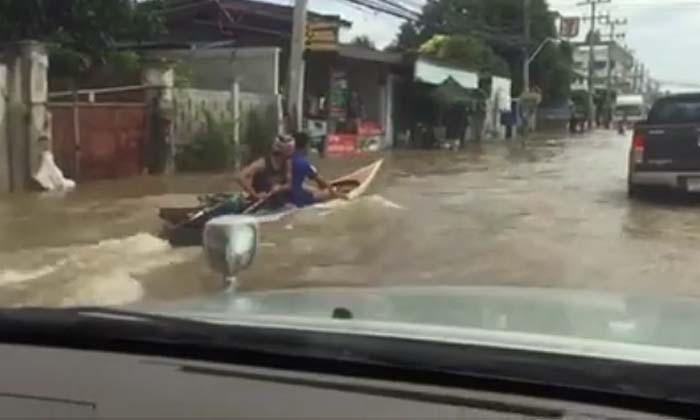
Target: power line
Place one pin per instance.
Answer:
(389, 8)
(398, 6)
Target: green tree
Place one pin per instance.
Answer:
(499, 24)
(363, 41)
(80, 33)
(595, 35)
(466, 51)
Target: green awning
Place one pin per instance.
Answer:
(452, 93)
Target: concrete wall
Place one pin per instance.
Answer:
(26, 116)
(39, 122)
(256, 69)
(192, 106)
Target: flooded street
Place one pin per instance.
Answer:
(554, 214)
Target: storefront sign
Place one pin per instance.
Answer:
(322, 37)
(341, 144)
(569, 27)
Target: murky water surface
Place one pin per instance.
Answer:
(552, 214)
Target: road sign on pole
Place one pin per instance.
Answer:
(569, 27)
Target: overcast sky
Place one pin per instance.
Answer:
(664, 34)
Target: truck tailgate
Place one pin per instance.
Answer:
(671, 147)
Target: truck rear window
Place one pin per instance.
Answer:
(675, 111)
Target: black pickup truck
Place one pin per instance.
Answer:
(665, 148)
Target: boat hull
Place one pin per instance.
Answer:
(182, 228)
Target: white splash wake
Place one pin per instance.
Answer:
(99, 274)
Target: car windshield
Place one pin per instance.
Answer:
(438, 163)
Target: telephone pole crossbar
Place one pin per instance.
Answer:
(594, 17)
(613, 24)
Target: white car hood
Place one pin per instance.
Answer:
(639, 328)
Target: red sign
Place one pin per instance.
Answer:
(569, 27)
(341, 144)
(369, 128)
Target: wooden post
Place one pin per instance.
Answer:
(236, 116)
(27, 87)
(159, 76)
(295, 81)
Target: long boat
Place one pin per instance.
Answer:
(183, 225)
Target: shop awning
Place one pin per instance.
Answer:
(452, 93)
(437, 74)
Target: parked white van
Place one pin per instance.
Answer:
(630, 109)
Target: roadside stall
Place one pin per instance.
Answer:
(349, 106)
(446, 105)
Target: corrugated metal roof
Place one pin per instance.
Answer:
(367, 54)
(431, 72)
(260, 8)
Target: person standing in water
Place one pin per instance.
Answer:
(302, 170)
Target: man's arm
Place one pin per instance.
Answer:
(245, 177)
(318, 179)
(325, 185)
(287, 186)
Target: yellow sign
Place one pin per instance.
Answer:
(321, 37)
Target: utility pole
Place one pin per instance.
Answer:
(295, 80)
(613, 24)
(591, 56)
(613, 36)
(526, 49)
(526, 59)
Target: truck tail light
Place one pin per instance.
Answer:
(638, 144)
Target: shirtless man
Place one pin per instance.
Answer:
(269, 179)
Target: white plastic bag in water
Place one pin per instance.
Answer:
(50, 176)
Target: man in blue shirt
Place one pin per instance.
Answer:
(303, 170)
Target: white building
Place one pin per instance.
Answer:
(608, 56)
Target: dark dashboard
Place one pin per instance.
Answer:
(87, 363)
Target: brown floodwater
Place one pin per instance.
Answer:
(551, 214)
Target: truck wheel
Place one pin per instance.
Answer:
(634, 191)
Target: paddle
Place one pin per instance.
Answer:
(217, 206)
(255, 206)
(250, 209)
(198, 215)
